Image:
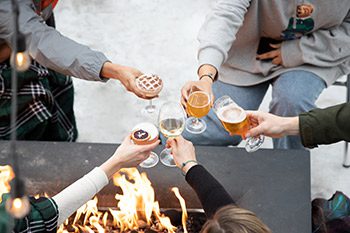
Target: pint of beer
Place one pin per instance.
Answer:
(234, 119)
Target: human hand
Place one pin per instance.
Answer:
(271, 125)
(182, 151)
(127, 155)
(126, 75)
(191, 86)
(275, 55)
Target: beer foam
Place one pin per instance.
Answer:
(231, 114)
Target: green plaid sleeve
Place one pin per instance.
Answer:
(42, 217)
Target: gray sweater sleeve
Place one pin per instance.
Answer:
(219, 31)
(48, 46)
(323, 48)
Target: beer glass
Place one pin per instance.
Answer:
(171, 119)
(235, 121)
(198, 106)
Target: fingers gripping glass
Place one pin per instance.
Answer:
(198, 106)
(171, 120)
(235, 121)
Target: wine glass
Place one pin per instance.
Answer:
(235, 121)
(171, 120)
(198, 106)
(150, 85)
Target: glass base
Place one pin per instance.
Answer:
(195, 126)
(151, 161)
(149, 109)
(166, 158)
(254, 143)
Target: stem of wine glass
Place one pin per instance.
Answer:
(195, 121)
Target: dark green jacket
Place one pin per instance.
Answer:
(325, 126)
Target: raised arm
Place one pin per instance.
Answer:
(210, 192)
(78, 193)
(318, 126)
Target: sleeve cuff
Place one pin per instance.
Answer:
(306, 131)
(210, 56)
(96, 67)
(292, 55)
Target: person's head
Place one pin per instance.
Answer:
(232, 219)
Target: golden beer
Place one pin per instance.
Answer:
(234, 119)
(198, 104)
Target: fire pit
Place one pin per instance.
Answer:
(136, 211)
(275, 184)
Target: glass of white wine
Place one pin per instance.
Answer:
(172, 118)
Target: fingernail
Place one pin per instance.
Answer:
(247, 135)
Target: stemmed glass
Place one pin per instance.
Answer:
(171, 120)
(198, 106)
(235, 121)
(152, 131)
(150, 85)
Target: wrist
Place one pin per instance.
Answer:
(206, 79)
(111, 70)
(291, 126)
(187, 165)
(110, 167)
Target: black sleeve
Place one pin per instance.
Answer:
(210, 192)
(325, 126)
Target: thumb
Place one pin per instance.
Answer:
(253, 132)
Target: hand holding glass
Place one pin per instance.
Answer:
(235, 121)
(171, 123)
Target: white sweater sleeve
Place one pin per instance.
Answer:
(219, 31)
(78, 193)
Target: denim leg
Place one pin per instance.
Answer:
(248, 98)
(294, 92)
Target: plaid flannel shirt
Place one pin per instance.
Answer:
(45, 105)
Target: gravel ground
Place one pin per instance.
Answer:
(159, 36)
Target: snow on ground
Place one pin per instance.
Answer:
(159, 36)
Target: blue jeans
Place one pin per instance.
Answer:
(292, 93)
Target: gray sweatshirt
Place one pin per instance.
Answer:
(317, 39)
(47, 46)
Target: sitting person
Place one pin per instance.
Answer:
(45, 90)
(52, 212)
(224, 216)
(318, 126)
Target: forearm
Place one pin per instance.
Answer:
(219, 31)
(78, 193)
(325, 126)
(210, 192)
(48, 47)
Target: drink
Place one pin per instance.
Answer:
(234, 119)
(198, 104)
(171, 127)
(149, 85)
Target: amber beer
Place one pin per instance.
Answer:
(234, 119)
(198, 104)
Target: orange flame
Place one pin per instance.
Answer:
(136, 208)
(183, 207)
(6, 175)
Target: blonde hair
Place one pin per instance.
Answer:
(232, 219)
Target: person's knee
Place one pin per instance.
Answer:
(295, 92)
